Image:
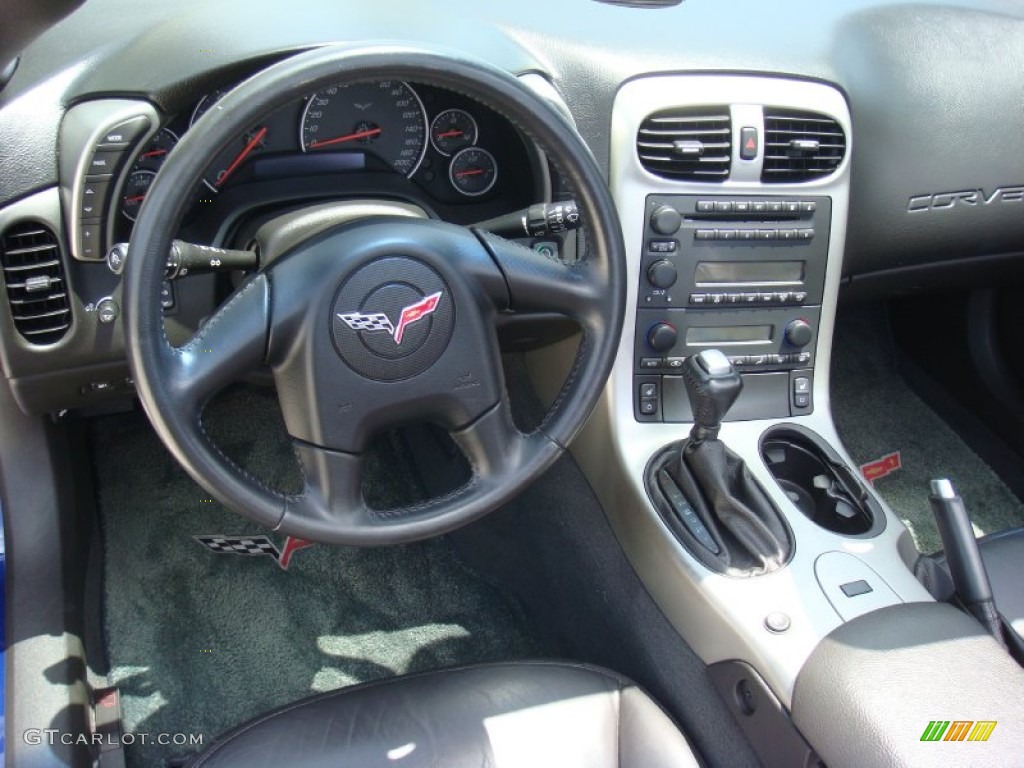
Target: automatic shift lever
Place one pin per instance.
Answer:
(705, 491)
(712, 385)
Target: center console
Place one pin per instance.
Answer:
(733, 193)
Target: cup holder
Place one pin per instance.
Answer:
(819, 483)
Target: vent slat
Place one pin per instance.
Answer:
(34, 275)
(687, 143)
(786, 160)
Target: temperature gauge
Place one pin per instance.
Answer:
(452, 130)
(473, 171)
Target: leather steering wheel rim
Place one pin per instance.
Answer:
(483, 274)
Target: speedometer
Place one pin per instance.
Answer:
(382, 119)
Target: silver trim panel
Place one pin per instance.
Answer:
(82, 128)
(723, 618)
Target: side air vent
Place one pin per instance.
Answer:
(800, 146)
(691, 144)
(36, 287)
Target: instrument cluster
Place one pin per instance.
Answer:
(434, 146)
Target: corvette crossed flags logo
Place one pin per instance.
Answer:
(378, 321)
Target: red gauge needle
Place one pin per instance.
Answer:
(473, 172)
(449, 134)
(155, 153)
(349, 137)
(249, 147)
(135, 198)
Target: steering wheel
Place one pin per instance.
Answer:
(378, 322)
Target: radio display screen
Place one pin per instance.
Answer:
(730, 273)
(708, 336)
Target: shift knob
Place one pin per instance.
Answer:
(712, 385)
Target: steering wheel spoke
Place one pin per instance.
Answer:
(539, 283)
(230, 344)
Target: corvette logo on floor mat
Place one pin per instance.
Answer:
(253, 545)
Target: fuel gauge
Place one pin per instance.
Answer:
(473, 171)
(452, 130)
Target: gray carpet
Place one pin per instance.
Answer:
(200, 642)
(876, 414)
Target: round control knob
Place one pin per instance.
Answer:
(662, 337)
(799, 333)
(662, 274)
(107, 311)
(666, 220)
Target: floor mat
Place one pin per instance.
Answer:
(199, 642)
(877, 414)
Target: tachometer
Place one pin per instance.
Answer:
(384, 119)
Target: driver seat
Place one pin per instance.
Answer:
(531, 714)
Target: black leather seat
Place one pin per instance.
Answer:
(531, 714)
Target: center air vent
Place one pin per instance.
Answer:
(800, 146)
(36, 288)
(691, 144)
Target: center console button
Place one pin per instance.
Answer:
(662, 246)
(705, 206)
(698, 298)
(723, 206)
(675, 363)
(649, 389)
(648, 406)
(650, 363)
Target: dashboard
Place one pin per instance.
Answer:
(934, 186)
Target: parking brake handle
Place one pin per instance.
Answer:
(964, 558)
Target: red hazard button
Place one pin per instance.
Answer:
(748, 143)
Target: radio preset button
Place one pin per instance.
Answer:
(698, 298)
(791, 207)
(767, 234)
(723, 206)
(748, 234)
(705, 206)
(808, 206)
(787, 234)
(741, 206)
(705, 234)
(774, 206)
(806, 234)
(727, 234)
(759, 206)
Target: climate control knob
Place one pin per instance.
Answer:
(665, 220)
(799, 333)
(662, 274)
(662, 337)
